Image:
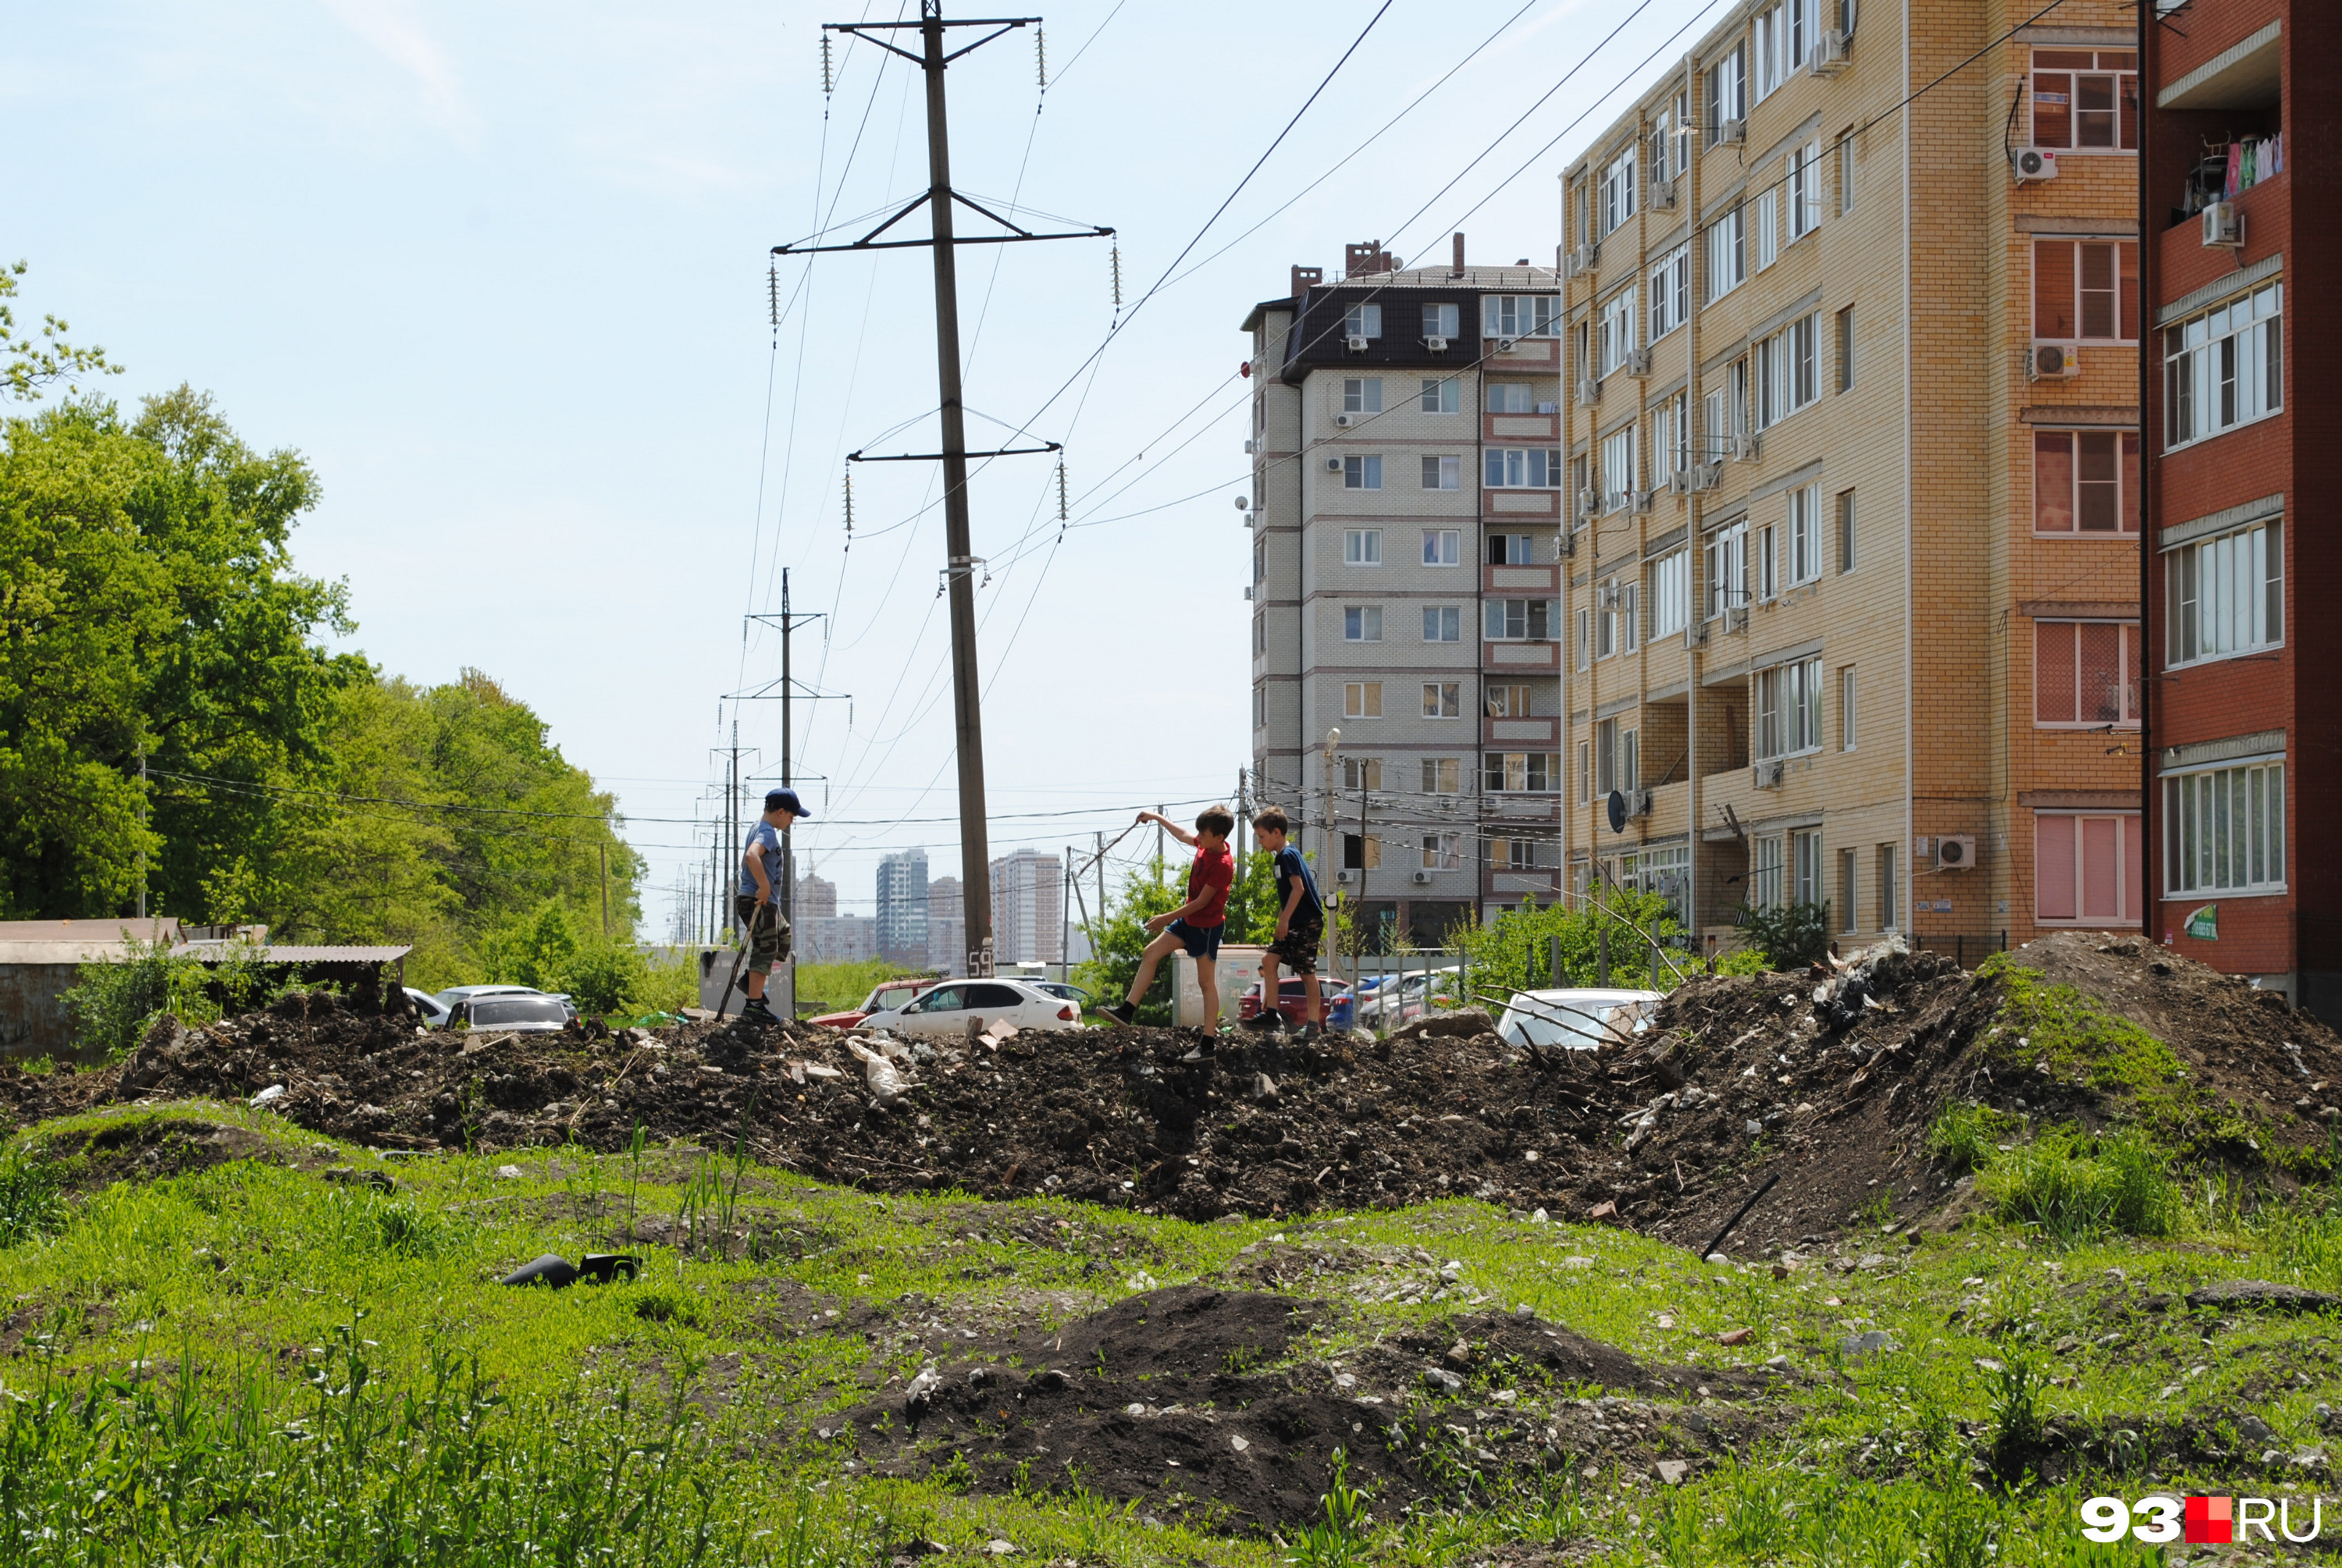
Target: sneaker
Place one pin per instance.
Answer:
(1306, 1033)
(757, 1012)
(1266, 1022)
(1121, 1013)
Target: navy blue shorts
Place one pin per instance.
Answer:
(1202, 941)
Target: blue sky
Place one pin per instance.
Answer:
(500, 272)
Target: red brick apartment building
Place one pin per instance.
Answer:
(2240, 193)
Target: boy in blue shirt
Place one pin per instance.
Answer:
(1300, 929)
(756, 899)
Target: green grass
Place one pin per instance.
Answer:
(250, 1365)
(2071, 1186)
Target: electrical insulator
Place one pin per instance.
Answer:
(1114, 260)
(849, 502)
(773, 290)
(828, 77)
(1040, 57)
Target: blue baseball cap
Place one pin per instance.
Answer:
(786, 799)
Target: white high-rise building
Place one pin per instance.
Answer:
(903, 906)
(1027, 898)
(947, 926)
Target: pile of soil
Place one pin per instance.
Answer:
(1737, 1081)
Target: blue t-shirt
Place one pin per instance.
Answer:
(1292, 868)
(765, 841)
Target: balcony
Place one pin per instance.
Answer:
(1544, 427)
(1543, 581)
(1520, 503)
(1527, 354)
(1541, 734)
(1529, 658)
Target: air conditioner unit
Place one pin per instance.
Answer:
(1333, 465)
(1663, 194)
(2053, 361)
(1766, 775)
(1589, 391)
(1436, 345)
(1638, 802)
(1583, 259)
(1420, 878)
(1680, 483)
(1832, 55)
(1343, 420)
(1247, 594)
(1248, 448)
(1706, 477)
(1955, 852)
(1345, 875)
(1646, 499)
(2224, 227)
(1732, 133)
(1638, 363)
(1356, 342)
(1589, 504)
(1748, 449)
(2031, 163)
(1505, 345)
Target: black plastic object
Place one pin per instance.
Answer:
(594, 1268)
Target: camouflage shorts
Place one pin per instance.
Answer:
(768, 930)
(1298, 952)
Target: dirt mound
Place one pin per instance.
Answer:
(1174, 1400)
(1829, 1086)
(141, 1148)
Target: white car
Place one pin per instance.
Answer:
(945, 1010)
(1577, 1019)
(427, 1007)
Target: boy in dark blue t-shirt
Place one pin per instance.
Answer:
(1300, 928)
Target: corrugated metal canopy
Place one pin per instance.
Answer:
(217, 952)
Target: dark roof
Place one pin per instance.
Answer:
(220, 952)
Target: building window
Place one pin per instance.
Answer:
(1442, 623)
(1846, 349)
(1670, 292)
(1615, 619)
(1616, 337)
(1361, 851)
(2083, 98)
(1442, 546)
(1520, 468)
(1443, 776)
(1616, 194)
(1362, 546)
(2086, 291)
(1362, 700)
(1789, 709)
(1805, 866)
(2223, 830)
(1443, 699)
(2085, 673)
(1670, 592)
(1787, 379)
(2086, 869)
(1508, 397)
(1513, 853)
(1805, 534)
(1805, 191)
(1362, 772)
(1845, 530)
(1765, 228)
(1890, 891)
(1259, 707)
(1442, 473)
(1726, 562)
(1362, 624)
(1512, 549)
(1785, 35)
(1845, 206)
(1362, 472)
(1847, 728)
(1846, 908)
(1671, 436)
(2224, 594)
(1443, 851)
(1520, 316)
(1618, 474)
(1616, 762)
(1766, 563)
(1441, 321)
(1765, 858)
(1362, 394)
(1727, 91)
(1363, 321)
(1666, 131)
(1728, 257)
(1519, 620)
(2224, 368)
(2085, 482)
(1508, 702)
(1442, 395)
(1521, 772)
(1584, 772)
(1584, 638)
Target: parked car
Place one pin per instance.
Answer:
(944, 1008)
(1577, 1019)
(1059, 988)
(1293, 999)
(889, 995)
(426, 1007)
(451, 1001)
(1403, 997)
(518, 1012)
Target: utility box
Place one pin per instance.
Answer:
(1238, 971)
(716, 974)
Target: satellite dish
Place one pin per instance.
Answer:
(1618, 810)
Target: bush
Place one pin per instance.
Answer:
(545, 950)
(1789, 935)
(1514, 952)
(114, 999)
(1117, 943)
(2072, 1190)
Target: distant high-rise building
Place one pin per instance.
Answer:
(947, 926)
(817, 896)
(1027, 893)
(835, 938)
(903, 906)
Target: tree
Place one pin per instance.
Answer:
(1514, 952)
(29, 364)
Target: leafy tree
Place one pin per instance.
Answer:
(1119, 940)
(1514, 952)
(30, 365)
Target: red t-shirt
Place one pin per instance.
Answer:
(1214, 873)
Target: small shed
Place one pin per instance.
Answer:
(41, 960)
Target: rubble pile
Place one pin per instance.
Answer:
(1826, 1081)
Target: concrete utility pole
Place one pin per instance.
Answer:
(960, 560)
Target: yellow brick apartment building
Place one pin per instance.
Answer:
(1849, 538)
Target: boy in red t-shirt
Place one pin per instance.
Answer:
(1195, 924)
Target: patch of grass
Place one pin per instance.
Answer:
(2070, 1187)
(1964, 1136)
(29, 1204)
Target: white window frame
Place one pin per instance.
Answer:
(1765, 559)
(1805, 865)
(2214, 817)
(1617, 198)
(1362, 321)
(1443, 321)
(1441, 394)
(2130, 845)
(1443, 699)
(1767, 868)
(1508, 397)
(1516, 620)
(1615, 333)
(1520, 316)
(1805, 190)
(2224, 595)
(1362, 394)
(1362, 471)
(1765, 228)
(1443, 776)
(1805, 535)
(1727, 91)
(1728, 253)
(1362, 622)
(1670, 593)
(1671, 291)
(1362, 546)
(1362, 699)
(1443, 547)
(1787, 375)
(1443, 851)
(1671, 436)
(1518, 467)
(1725, 574)
(1619, 472)
(1442, 623)
(1520, 773)
(2221, 373)
(1441, 471)
(2127, 657)
(1848, 710)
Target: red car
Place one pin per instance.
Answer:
(890, 994)
(1292, 997)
